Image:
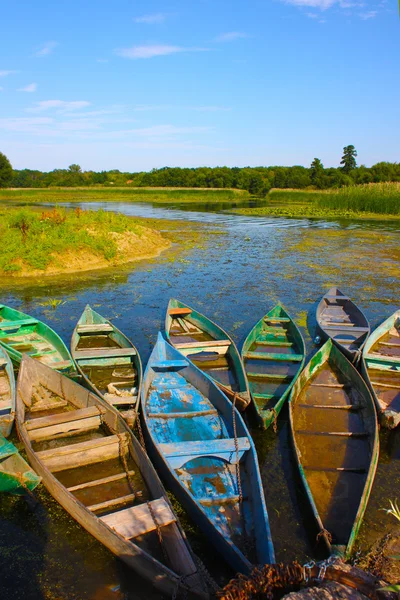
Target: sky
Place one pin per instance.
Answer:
(146, 84)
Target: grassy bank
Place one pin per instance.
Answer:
(102, 194)
(363, 201)
(57, 241)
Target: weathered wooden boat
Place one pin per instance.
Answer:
(341, 320)
(92, 464)
(381, 369)
(201, 446)
(273, 355)
(16, 476)
(20, 333)
(210, 348)
(108, 362)
(7, 393)
(335, 435)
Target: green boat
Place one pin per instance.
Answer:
(273, 355)
(108, 362)
(335, 436)
(22, 334)
(381, 369)
(210, 348)
(16, 476)
(7, 393)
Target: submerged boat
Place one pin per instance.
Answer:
(335, 435)
(16, 476)
(20, 333)
(273, 355)
(381, 369)
(210, 348)
(108, 362)
(7, 393)
(92, 464)
(202, 448)
(341, 320)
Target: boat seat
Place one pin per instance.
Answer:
(335, 297)
(3, 362)
(119, 400)
(169, 365)
(382, 358)
(179, 453)
(276, 319)
(83, 419)
(183, 414)
(181, 312)
(207, 344)
(60, 364)
(348, 329)
(273, 356)
(84, 453)
(15, 324)
(95, 328)
(103, 353)
(138, 520)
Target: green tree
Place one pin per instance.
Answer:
(349, 159)
(74, 169)
(317, 173)
(6, 171)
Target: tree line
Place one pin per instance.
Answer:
(257, 180)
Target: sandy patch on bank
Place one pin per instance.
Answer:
(130, 247)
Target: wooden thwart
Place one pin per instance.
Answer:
(178, 415)
(66, 423)
(179, 311)
(114, 399)
(95, 328)
(206, 344)
(273, 356)
(104, 353)
(138, 520)
(355, 434)
(102, 481)
(110, 504)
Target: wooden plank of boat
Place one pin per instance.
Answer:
(339, 319)
(108, 361)
(16, 476)
(20, 333)
(198, 337)
(335, 437)
(381, 369)
(86, 437)
(7, 393)
(189, 426)
(278, 363)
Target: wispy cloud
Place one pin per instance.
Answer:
(45, 50)
(32, 87)
(161, 107)
(370, 14)
(150, 51)
(316, 16)
(152, 19)
(230, 36)
(167, 130)
(323, 5)
(5, 73)
(59, 105)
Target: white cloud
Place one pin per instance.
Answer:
(157, 50)
(59, 105)
(5, 73)
(371, 14)
(321, 4)
(45, 50)
(25, 124)
(152, 19)
(231, 36)
(32, 87)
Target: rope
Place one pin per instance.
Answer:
(205, 572)
(275, 421)
(357, 357)
(239, 483)
(326, 533)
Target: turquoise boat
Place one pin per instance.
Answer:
(22, 334)
(16, 476)
(381, 369)
(203, 450)
(273, 355)
(108, 362)
(335, 436)
(210, 348)
(7, 393)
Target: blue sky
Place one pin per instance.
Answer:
(140, 85)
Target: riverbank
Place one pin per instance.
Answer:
(56, 241)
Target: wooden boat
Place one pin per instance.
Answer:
(16, 476)
(92, 464)
(7, 393)
(210, 348)
(381, 369)
(273, 355)
(20, 333)
(204, 451)
(341, 320)
(335, 435)
(108, 362)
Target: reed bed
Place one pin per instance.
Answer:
(380, 198)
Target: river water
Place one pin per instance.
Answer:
(240, 269)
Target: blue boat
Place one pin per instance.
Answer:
(202, 448)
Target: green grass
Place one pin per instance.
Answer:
(30, 238)
(90, 194)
